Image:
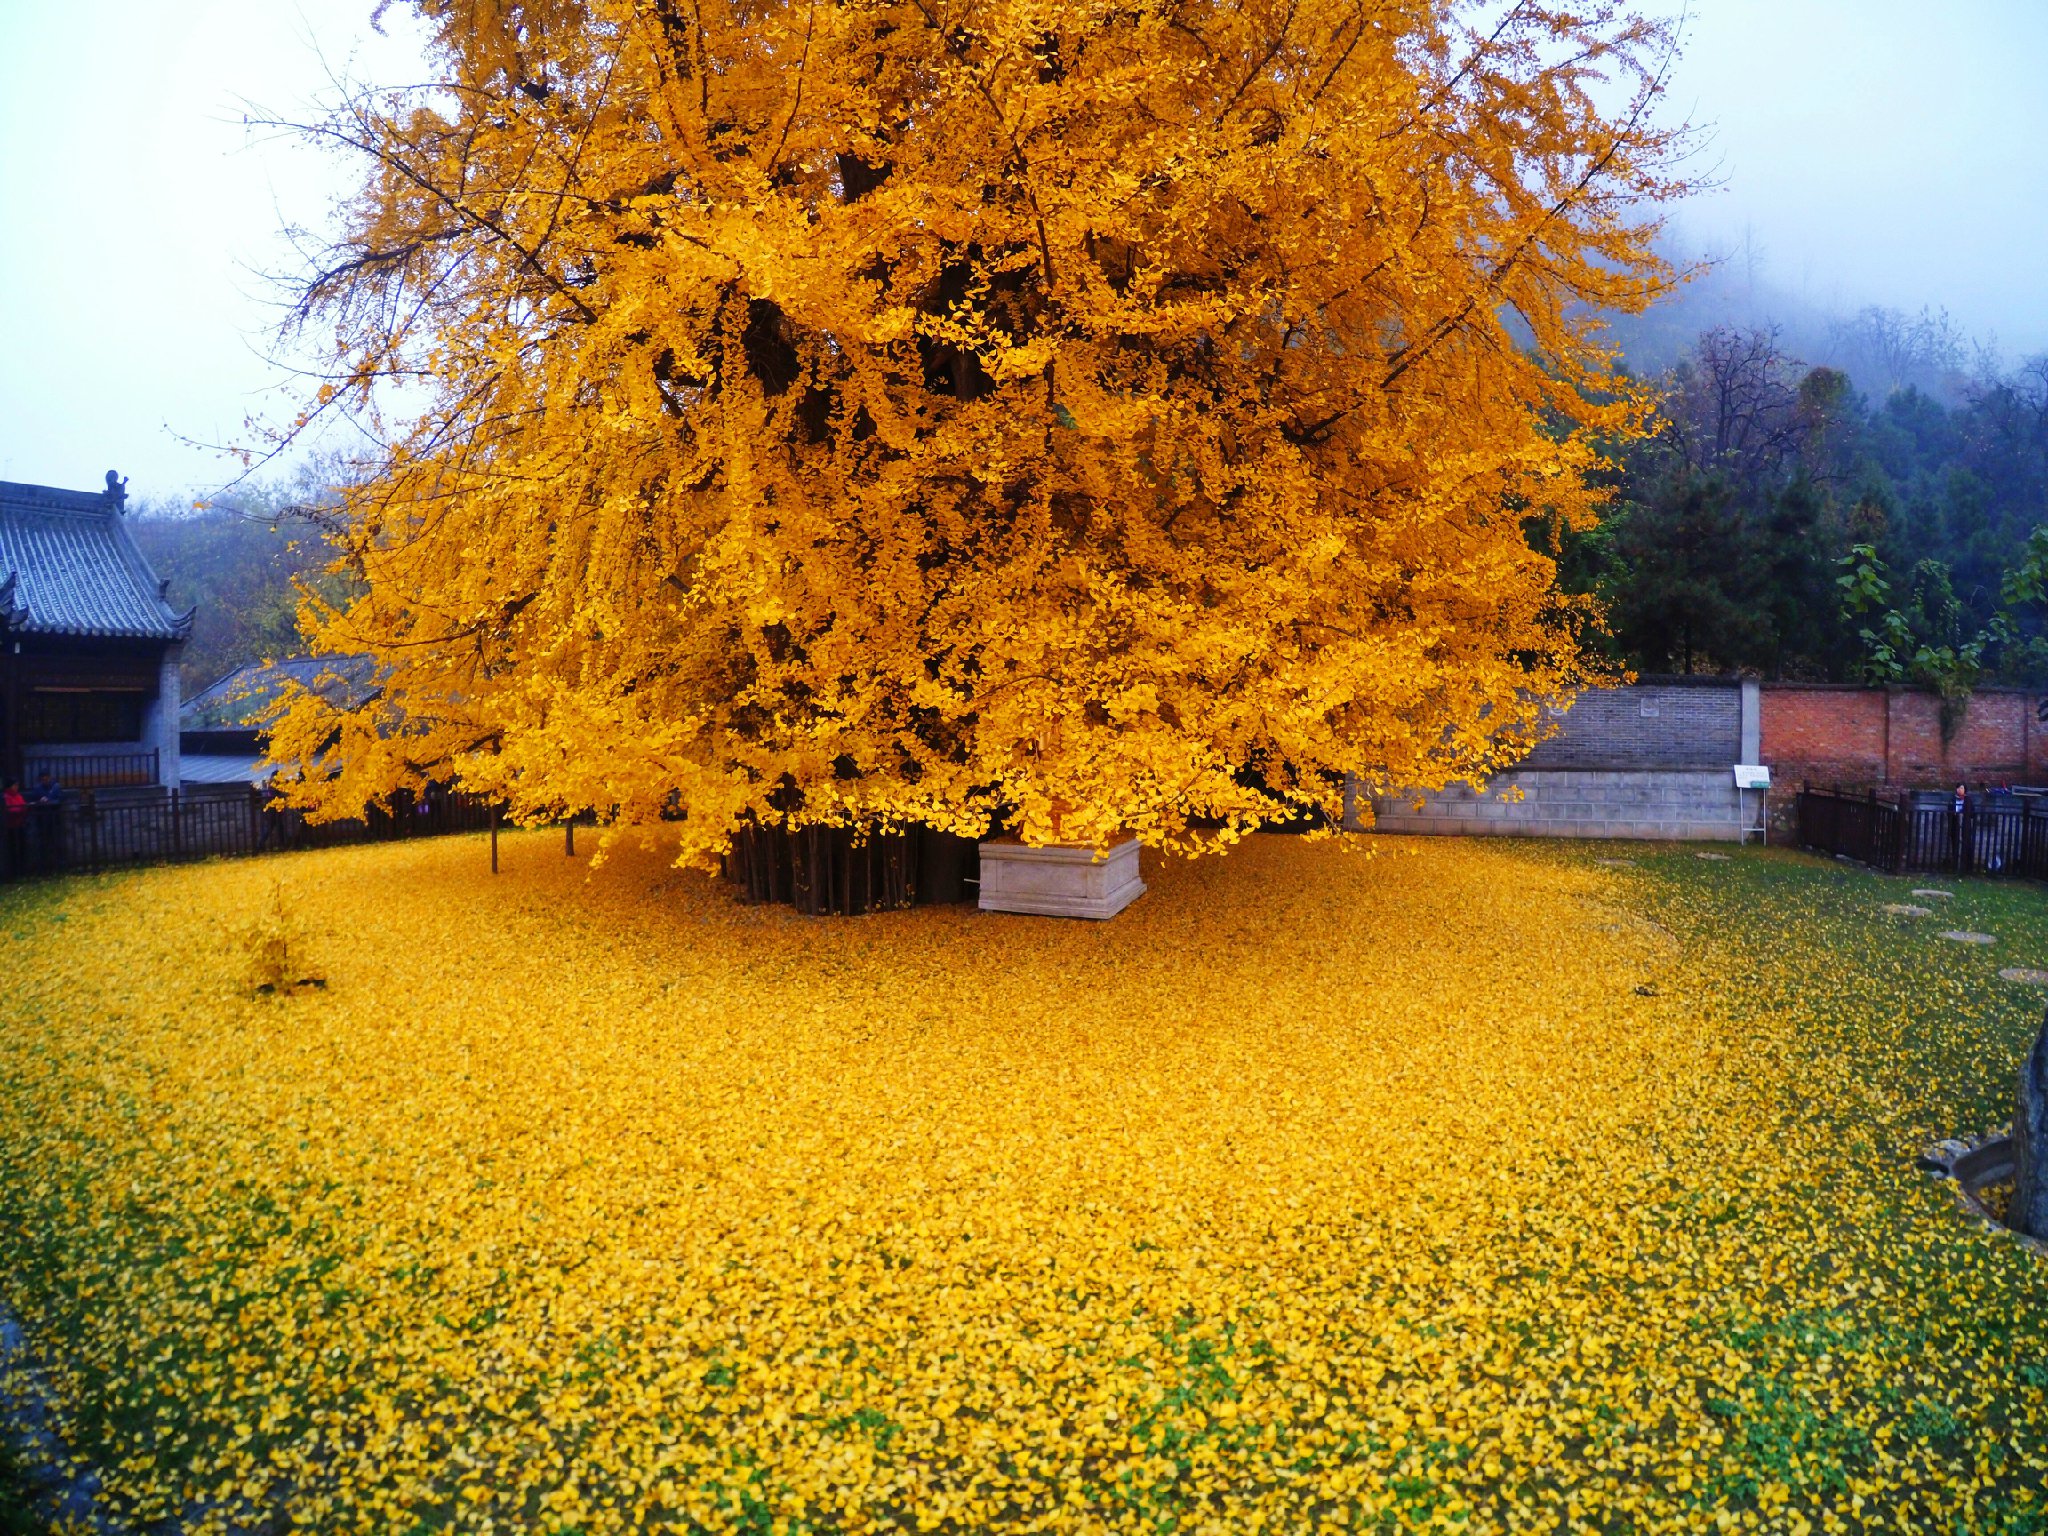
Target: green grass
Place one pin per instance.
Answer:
(1807, 938)
(18, 1504)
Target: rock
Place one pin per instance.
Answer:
(2021, 973)
(1907, 909)
(1616, 863)
(2030, 1142)
(1937, 895)
(1941, 1157)
(1964, 936)
(1719, 858)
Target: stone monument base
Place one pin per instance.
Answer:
(1059, 881)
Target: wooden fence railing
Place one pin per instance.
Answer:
(94, 831)
(91, 770)
(1922, 832)
(818, 870)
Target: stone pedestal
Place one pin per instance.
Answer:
(2029, 1212)
(1059, 881)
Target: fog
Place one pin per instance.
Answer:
(1872, 153)
(1862, 153)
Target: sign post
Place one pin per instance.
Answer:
(1757, 777)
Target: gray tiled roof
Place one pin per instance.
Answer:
(240, 698)
(218, 768)
(69, 567)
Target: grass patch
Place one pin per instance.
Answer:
(18, 1506)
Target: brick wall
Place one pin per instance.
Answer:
(1861, 737)
(1658, 724)
(1654, 759)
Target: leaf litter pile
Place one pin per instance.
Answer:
(1465, 1185)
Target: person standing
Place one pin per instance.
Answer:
(14, 829)
(47, 807)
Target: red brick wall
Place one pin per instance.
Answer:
(1892, 736)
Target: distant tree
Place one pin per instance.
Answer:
(1924, 634)
(1721, 552)
(1681, 597)
(243, 562)
(1947, 471)
(1791, 573)
(1890, 350)
(1734, 409)
(2023, 594)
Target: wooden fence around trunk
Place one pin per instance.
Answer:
(1922, 831)
(841, 871)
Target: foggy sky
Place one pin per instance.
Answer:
(1877, 152)
(1868, 151)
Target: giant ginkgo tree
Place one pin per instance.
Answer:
(1108, 415)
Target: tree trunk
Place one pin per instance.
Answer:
(2030, 1142)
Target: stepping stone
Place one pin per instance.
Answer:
(1964, 936)
(1907, 909)
(1616, 863)
(1718, 858)
(2021, 974)
(1937, 895)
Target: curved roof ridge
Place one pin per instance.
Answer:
(76, 569)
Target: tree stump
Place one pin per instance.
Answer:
(2030, 1142)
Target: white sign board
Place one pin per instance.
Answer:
(1752, 776)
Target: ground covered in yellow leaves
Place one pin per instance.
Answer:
(1468, 1185)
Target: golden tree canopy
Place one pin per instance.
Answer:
(1109, 414)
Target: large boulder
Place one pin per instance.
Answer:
(2030, 1142)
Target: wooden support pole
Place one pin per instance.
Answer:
(494, 840)
(10, 715)
(569, 838)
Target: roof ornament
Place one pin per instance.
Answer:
(117, 490)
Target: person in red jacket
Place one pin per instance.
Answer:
(14, 821)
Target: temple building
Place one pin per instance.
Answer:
(89, 646)
(222, 731)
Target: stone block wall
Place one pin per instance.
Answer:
(1693, 804)
(1659, 723)
(1652, 760)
